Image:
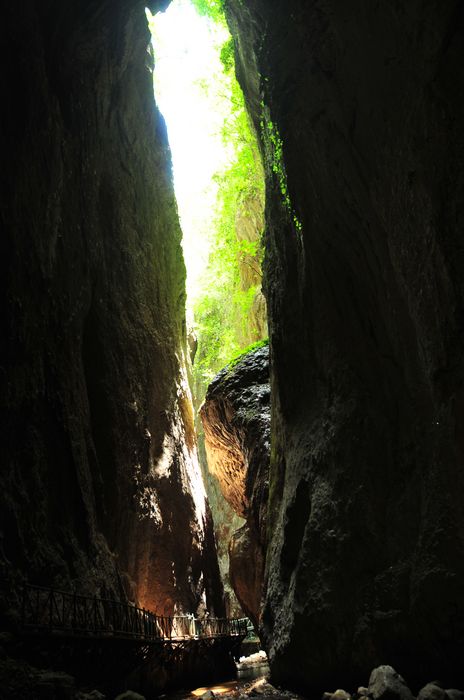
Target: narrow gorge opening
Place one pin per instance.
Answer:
(218, 180)
(105, 538)
(219, 185)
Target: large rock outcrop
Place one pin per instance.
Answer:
(100, 486)
(236, 423)
(226, 522)
(360, 108)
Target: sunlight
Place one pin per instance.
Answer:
(216, 689)
(194, 98)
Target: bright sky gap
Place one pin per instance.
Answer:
(194, 101)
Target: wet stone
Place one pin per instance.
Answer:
(386, 684)
(431, 691)
(454, 694)
(53, 685)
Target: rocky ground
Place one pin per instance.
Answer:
(19, 681)
(384, 684)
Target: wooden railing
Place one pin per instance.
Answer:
(46, 609)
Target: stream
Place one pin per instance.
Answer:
(249, 678)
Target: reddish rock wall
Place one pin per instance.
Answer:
(99, 483)
(236, 422)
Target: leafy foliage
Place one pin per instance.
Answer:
(222, 310)
(227, 55)
(272, 139)
(211, 8)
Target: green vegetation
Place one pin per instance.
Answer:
(223, 308)
(274, 144)
(253, 346)
(211, 8)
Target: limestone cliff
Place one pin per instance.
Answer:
(236, 422)
(361, 107)
(226, 522)
(100, 484)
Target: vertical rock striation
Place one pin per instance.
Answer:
(361, 107)
(236, 423)
(100, 483)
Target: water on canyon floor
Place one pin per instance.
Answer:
(252, 674)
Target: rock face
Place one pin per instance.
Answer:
(100, 483)
(360, 109)
(226, 522)
(246, 562)
(236, 422)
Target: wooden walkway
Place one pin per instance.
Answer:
(46, 610)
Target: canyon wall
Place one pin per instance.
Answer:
(360, 109)
(100, 486)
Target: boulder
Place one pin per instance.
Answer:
(386, 684)
(431, 691)
(236, 422)
(337, 695)
(454, 694)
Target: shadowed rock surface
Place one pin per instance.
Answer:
(226, 522)
(365, 564)
(236, 422)
(246, 571)
(100, 483)
(360, 110)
